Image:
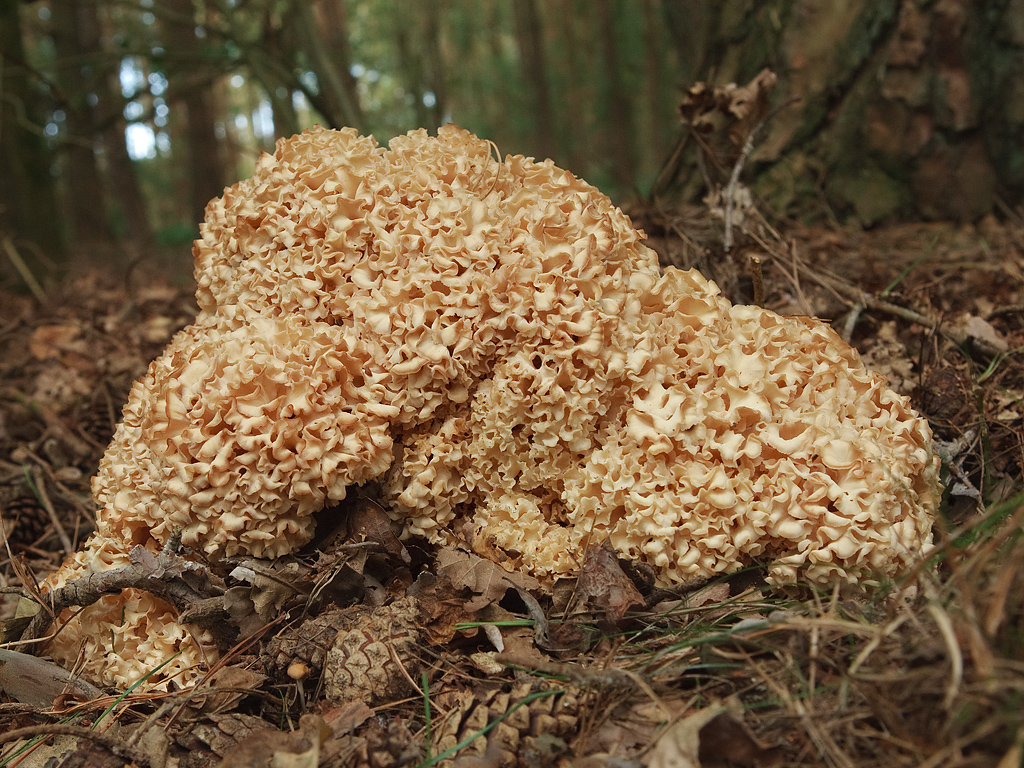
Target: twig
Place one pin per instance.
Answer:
(851, 322)
(737, 169)
(168, 576)
(734, 180)
(23, 270)
(757, 276)
(114, 746)
(859, 297)
(856, 297)
(44, 499)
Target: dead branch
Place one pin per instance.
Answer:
(114, 746)
(169, 576)
(26, 274)
(734, 180)
(757, 276)
(39, 484)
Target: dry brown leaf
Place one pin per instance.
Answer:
(276, 749)
(679, 745)
(602, 587)
(221, 734)
(340, 584)
(441, 610)
(726, 116)
(486, 579)
(50, 340)
(709, 594)
(157, 292)
(725, 741)
(981, 330)
(368, 521)
(487, 662)
(345, 719)
(231, 684)
(710, 738)
(269, 585)
(159, 329)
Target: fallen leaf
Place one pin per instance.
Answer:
(345, 719)
(268, 586)
(277, 749)
(368, 521)
(156, 330)
(487, 662)
(241, 611)
(711, 738)
(602, 587)
(725, 741)
(340, 584)
(981, 330)
(442, 609)
(486, 579)
(717, 592)
(230, 685)
(222, 734)
(679, 745)
(50, 340)
(726, 116)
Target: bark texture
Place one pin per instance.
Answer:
(895, 108)
(28, 206)
(196, 95)
(75, 35)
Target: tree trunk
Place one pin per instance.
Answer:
(412, 74)
(433, 69)
(618, 106)
(888, 109)
(121, 171)
(333, 25)
(76, 43)
(193, 92)
(575, 148)
(337, 100)
(533, 64)
(28, 205)
(654, 71)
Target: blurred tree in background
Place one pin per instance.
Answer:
(120, 119)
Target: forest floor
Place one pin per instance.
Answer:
(926, 671)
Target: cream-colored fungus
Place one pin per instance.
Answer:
(492, 342)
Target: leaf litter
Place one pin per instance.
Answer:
(363, 650)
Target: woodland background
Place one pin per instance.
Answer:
(120, 119)
(885, 172)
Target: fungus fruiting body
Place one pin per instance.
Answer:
(491, 343)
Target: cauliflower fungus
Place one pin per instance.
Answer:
(493, 344)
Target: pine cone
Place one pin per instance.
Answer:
(552, 719)
(374, 660)
(24, 519)
(309, 642)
